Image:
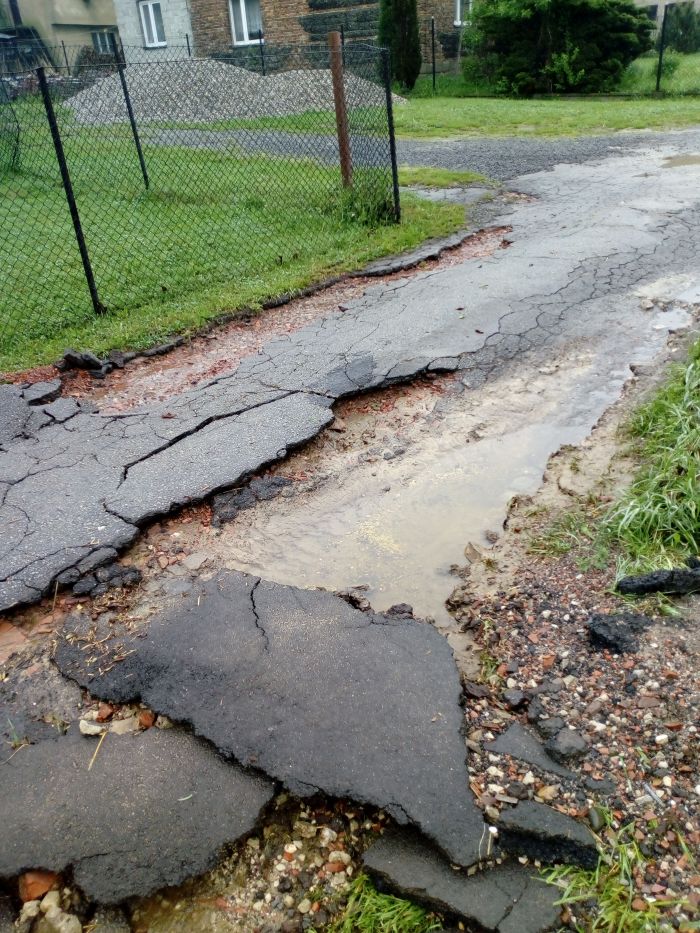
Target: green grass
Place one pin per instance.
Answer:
(216, 232)
(439, 177)
(613, 886)
(451, 117)
(656, 523)
(368, 911)
(680, 74)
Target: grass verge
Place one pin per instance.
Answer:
(368, 911)
(439, 177)
(451, 117)
(655, 523)
(608, 899)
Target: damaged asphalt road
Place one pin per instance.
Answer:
(303, 686)
(75, 491)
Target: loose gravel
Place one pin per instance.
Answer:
(206, 91)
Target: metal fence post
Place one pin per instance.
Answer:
(432, 46)
(342, 41)
(189, 49)
(662, 42)
(341, 111)
(386, 68)
(68, 188)
(65, 56)
(130, 110)
(262, 51)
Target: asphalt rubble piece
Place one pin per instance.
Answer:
(520, 743)
(152, 810)
(540, 832)
(299, 684)
(506, 898)
(676, 582)
(617, 633)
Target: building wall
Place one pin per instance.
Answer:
(177, 23)
(70, 21)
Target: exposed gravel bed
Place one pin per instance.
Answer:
(623, 724)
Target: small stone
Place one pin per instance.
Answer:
(304, 906)
(595, 818)
(661, 739)
(49, 900)
(566, 746)
(327, 836)
(29, 911)
(104, 712)
(146, 718)
(34, 884)
(91, 728)
(550, 726)
(123, 726)
(493, 813)
(288, 900)
(339, 856)
(515, 699)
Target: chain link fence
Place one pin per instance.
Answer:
(124, 185)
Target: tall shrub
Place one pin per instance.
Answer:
(398, 31)
(682, 28)
(543, 46)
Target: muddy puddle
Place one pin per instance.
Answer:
(680, 160)
(386, 498)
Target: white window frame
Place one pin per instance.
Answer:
(146, 10)
(459, 9)
(101, 37)
(244, 21)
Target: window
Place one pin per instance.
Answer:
(463, 12)
(152, 23)
(102, 43)
(246, 21)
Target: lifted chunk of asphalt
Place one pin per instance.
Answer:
(303, 686)
(675, 582)
(617, 633)
(227, 505)
(154, 809)
(543, 833)
(519, 743)
(508, 898)
(40, 392)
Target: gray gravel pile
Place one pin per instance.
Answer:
(205, 91)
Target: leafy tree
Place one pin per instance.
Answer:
(528, 47)
(682, 28)
(398, 31)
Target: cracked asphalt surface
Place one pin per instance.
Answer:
(74, 492)
(318, 695)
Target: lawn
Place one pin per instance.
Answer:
(215, 232)
(450, 117)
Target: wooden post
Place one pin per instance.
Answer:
(341, 111)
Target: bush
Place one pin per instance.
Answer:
(682, 28)
(398, 31)
(527, 47)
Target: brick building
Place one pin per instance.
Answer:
(217, 26)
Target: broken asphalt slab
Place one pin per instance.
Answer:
(589, 238)
(519, 743)
(304, 687)
(153, 810)
(507, 898)
(543, 833)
